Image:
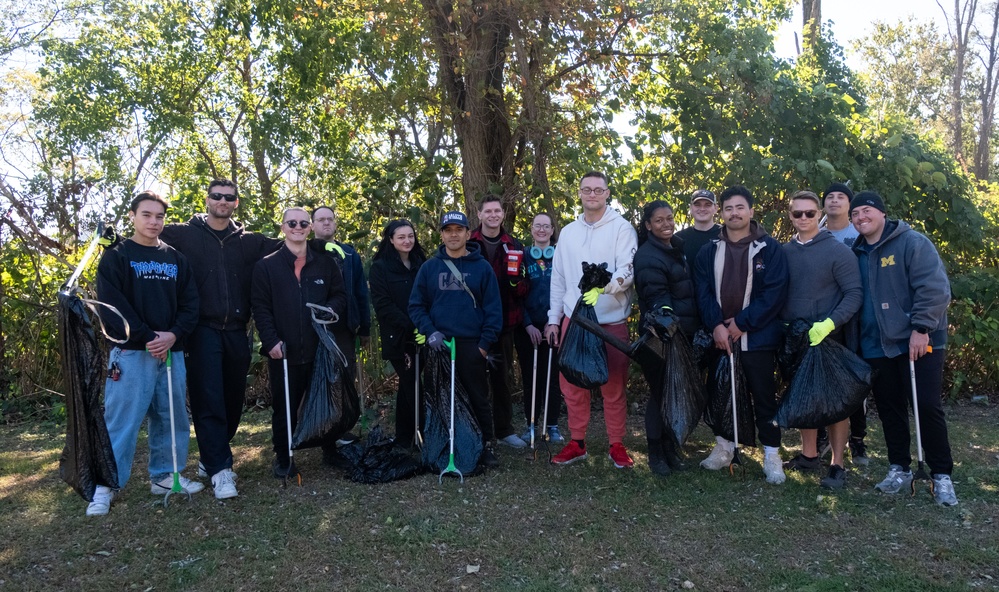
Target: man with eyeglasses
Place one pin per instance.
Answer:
(704, 230)
(903, 329)
(505, 254)
(598, 235)
(741, 287)
(283, 284)
(823, 289)
(222, 255)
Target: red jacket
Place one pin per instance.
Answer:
(513, 291)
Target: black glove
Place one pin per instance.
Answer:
(109, 237)
(662, 322)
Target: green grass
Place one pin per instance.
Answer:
(527, 526)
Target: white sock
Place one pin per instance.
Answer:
(730, 446)
(771, 450)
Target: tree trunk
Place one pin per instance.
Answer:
(811, 21)
(987, 98)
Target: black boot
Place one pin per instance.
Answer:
(657, 459)
(674, 456)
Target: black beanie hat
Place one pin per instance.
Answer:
(838, 187)
(868, 198)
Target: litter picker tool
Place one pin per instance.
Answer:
(87, 256)
(292, 469)
(360, 386)
(533, 453)
(920, 474)
(544, 417)
(175, 488)
(417, 436)
(450, 464)
(735, 418)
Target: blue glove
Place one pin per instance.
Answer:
(436, 341)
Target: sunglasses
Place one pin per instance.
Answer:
(797, 214)
(296, 223)
(229, 197)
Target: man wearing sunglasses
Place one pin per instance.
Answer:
(741, 280)
(222, 255)
(823, 289)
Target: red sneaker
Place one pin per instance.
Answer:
(619, 455)
(570, 454)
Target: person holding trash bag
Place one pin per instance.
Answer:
(391, 278)
(598, 235)
(538, 271)
(836, 206)
(665, 289)
(505, 254)
(283, 283)
(456, 297)
(741, 280)
(152, 286)
(823, 289)
(222, 254)
(903, 330)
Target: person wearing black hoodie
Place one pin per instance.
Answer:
(222, 255)
(391, 278)
(467, 309)
(283, 284)
(665, 286)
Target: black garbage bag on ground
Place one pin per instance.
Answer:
(437, 420)
(831, 382)
(331, 406)
(718, 413)
(793, 349)
(582, 357)
(87, 459)
(670, 370)
(376, 460)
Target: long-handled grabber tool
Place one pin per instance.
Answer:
(175, 488)
(292, 469)
(417, 436)
(533, 452)
(450, 464)
(735, 419)
(920, 474)
(544, 418)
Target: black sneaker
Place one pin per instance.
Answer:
(488, 458)
(281, 467)
(800, 463)
(836, 478)
(858, 452)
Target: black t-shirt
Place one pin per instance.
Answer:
(694, 239)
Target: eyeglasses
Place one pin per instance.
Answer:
(542, 226)
(598, 191)
(229, 197)
(296, 223)
(797, 214)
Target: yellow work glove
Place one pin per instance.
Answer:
(420, 339)
(591, 295)
(330, 247)
(819, 331)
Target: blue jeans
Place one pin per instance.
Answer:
(141, 392)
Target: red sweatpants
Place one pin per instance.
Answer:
(577, 400)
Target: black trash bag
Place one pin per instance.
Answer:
(376, 460)
(87, 459)
(437, 420)
(703, 350)
(683, 395)
(718, 413)
(830, 384)
(794, 347)
(582, 357)
(330, 407)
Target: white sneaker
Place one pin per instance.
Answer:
(719, 458)
(224, 484)
(513, 441)
(773, 468)
(943, 490)
(203, 474)
(103, 496)
(897, 480)
(165, 485)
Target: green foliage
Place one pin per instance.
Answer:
(973, 352)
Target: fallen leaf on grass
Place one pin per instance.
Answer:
(470, 569)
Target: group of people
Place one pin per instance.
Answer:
(867, 281)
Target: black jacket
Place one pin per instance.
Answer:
(223, 269)
(391, 284)
(663, 278)
(279, 299)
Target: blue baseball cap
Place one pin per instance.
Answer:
(454, 217)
